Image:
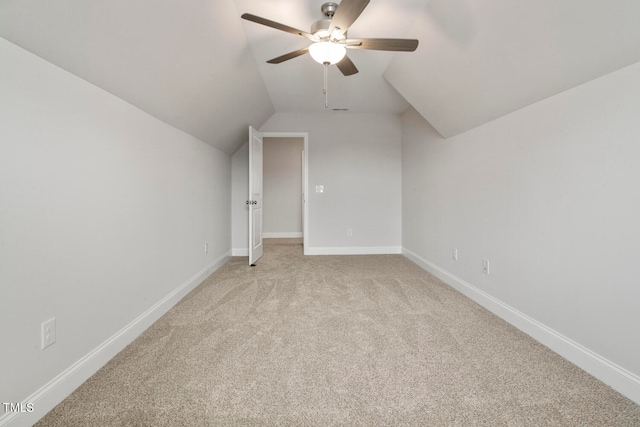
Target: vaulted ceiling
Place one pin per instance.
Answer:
(480, 60)
(296, 85)
(199, 67)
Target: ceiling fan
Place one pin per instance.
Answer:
(329, 37)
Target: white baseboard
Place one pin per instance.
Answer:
(618, 378)
(379, 250)
(282, 235)
(56, 390)
(383, 250)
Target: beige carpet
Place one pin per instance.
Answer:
(336, 340)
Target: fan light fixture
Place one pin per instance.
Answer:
(327, 52)
(329, 37)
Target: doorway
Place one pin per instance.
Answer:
(285, 166)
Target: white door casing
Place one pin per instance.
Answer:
(255, 196)
(305, 179)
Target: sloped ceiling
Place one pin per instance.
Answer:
(480, 60)
(199, 67)
(185, 63)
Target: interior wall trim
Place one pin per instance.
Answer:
(377, 250)
(56, 390)
(282, 235)
(618, 378)
(365, 250)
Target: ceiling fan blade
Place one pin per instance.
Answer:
(288, 56)
(345, 15)
(399, 45)
(278, 26)
(347, 67)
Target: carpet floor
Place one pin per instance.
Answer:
(336, 341)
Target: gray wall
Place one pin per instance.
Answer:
(549, 195)
(104, 214)
(357, 158)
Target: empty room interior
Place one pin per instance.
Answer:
(449, 213)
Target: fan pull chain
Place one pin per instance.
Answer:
(325, 90)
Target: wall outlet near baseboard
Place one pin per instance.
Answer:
(48, 333)
(349, 232)
(206, 248)
(454, 254)
(485, 266)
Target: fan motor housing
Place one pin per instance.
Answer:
(321, 28)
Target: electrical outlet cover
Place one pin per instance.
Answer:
(48, 333)
(485, 266)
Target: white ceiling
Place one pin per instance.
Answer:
(186, 63)
(480, 60)
(199, 67)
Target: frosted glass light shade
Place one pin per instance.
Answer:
(327, 52)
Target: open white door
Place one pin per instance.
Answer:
(255, 196)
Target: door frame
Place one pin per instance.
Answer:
(305, 186)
